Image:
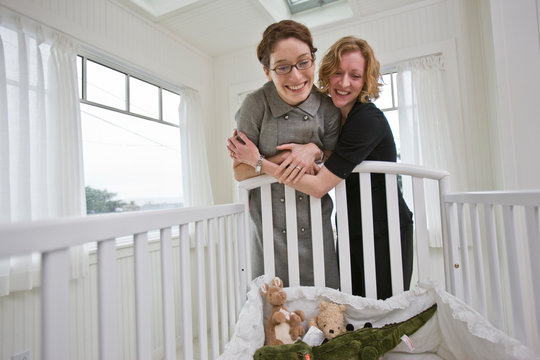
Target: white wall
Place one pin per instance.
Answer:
(515, 75)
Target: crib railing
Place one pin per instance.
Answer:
(415, 180)
(491, 261)
(495, 242)
(216, 232)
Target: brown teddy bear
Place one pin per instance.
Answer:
(282, 326)
(330, 319)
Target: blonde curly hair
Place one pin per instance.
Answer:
(332, 59)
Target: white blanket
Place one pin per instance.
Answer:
(455, 332)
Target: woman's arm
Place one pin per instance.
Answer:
(300, 157)
(243, 171)
(314, 185)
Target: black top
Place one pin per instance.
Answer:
(366, 135)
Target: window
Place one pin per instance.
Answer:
(388, 104)
(296, 6)
(131, 141)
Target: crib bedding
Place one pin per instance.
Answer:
(456, 331)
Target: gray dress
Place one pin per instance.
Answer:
(268, 121)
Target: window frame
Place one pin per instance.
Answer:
(88, 54)
(303, 5)
(83, 98)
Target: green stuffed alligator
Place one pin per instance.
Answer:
(361, 344)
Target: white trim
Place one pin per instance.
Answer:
(117, 64)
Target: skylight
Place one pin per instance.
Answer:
(296, 6)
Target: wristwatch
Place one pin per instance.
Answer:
(258, 167)
(320, 161)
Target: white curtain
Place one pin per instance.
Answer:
(430, 135)
(195, 173)
(41, 173)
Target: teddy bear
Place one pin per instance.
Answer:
(282, 326)
(329, 319)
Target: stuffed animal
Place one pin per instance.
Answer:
(282, 326)
(366, 344)
(297, 330)
(330, 319)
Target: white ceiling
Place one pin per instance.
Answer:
(218, 27)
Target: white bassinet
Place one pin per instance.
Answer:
(455, 332)
(178, 289)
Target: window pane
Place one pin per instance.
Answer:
(143, 98)
(171, 102)
(385, 96)
(394, 79)
(136, 159)
(393, 120)
(79, 75)
(105, 85)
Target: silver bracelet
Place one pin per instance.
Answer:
(258, 167)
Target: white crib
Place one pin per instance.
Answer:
(202, 293)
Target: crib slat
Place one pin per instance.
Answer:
(464, 252)
(236, 265)
(54, 304)
(213, 296)
(243, 258)
(267, 230)
(142, 296)
(420, 220)
(533, 232)
(201, 289)
(368, 239)
(230, 275)
(167, 293)
(515, 276)
(292, 236)
(494, 268)
(108, 326)
(244, 198)
(222, 283)
(480, 284)
(317, 241)
(396, 263)
(185, 286)
(342, 224)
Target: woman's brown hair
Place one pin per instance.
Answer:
(332, 59)
(284, 29)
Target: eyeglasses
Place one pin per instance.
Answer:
(301, 65)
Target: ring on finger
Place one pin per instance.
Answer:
(298, 167)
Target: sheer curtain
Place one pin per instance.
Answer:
(40, 137)
(195, 173)
(429, 134)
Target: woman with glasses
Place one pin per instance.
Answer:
(288, 109)
(350, 74)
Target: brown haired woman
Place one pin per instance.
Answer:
(350, 74)
(288, 109)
